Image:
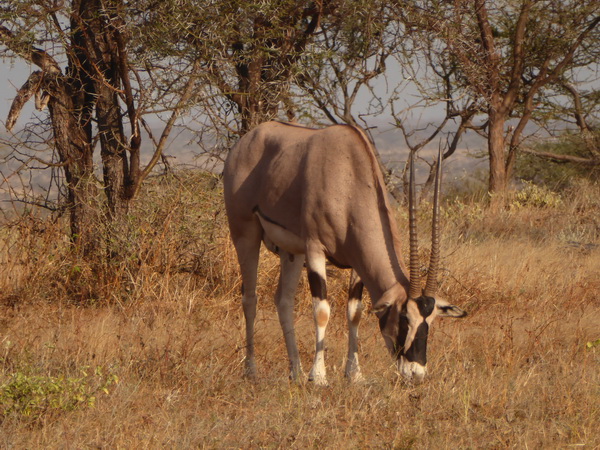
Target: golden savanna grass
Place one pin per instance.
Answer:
(143, 348)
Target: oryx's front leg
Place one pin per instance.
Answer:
(354, 314)
(291, 269)
(315, 260)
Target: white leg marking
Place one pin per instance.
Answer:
(321, 311)
(353, 315)
(291, 269)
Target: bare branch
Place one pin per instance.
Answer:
(188, 92)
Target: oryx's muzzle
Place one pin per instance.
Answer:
(413, 371)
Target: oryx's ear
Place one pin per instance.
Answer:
(388, 298)
(445, 309)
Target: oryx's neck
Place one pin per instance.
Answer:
(384, 264)
(380, 265)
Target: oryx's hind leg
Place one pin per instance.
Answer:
(354, 314)
(291, 269)
(315, 263)
(247, 246)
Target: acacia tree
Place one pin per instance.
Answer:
(93, 94)
(346, 56)
(433, 72)
(510, 54)
(248, 51)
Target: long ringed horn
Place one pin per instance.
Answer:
(431, 285)
(414, 290)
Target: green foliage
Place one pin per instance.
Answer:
(592, 344)
(33, 396)
(463, 211)
(533, 195)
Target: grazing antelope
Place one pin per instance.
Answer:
(317, 195)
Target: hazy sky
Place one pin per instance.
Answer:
(459, 169)
(388, 140)
(13, 75)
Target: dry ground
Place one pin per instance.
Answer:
(149, 353)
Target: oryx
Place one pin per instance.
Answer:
(317, 195)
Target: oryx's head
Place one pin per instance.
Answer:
(405, 317)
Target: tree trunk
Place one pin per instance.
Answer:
(498, 182)
(115, 165)
(75, 151)
(95, 85)
(98, 35)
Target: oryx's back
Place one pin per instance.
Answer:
(296, 176)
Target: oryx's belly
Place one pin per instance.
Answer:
(277, 237)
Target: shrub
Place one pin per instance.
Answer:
(536, 196)
(33, 396)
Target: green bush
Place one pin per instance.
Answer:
(33, 396)
(536, 196)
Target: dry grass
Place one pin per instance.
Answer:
(146, 351)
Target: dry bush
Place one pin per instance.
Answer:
(177, 229)
(158, 332)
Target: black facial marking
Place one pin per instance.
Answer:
(418, 349)
(402, 333)
(426, 306)
(417, 352)
(384, 318)
(318, 287)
